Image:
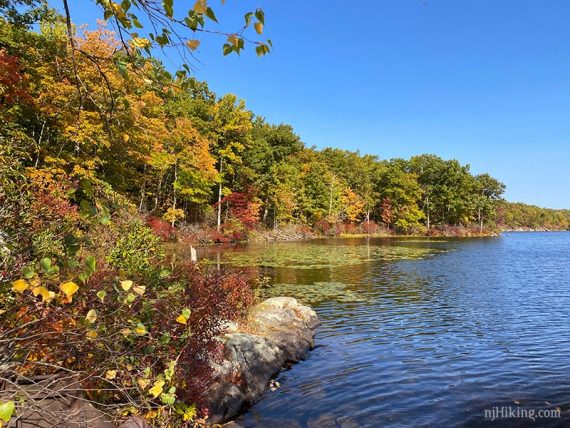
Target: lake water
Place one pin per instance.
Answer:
(420, 332)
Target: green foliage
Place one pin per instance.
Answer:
(134, 252)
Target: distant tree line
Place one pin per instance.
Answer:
(181, 153)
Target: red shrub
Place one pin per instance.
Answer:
(160, 228)
(214, 298)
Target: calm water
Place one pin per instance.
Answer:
(420, 333)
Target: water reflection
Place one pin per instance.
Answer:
(420, 333)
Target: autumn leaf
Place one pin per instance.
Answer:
(69, 288)
(139, 289)
(143, 383)
(156, 389)
(126, 284)
(126, 331)
(183, 317)
(101, 295)
(47, 296)
(140, 329)
(140, 42)
(91, 316)
(111, 374)
(201, 6)
(193, 44)
(258, 27)
(92, 334)
(20, 285)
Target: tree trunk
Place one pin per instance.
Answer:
(143, 189)
(331, 196)
(427, 212)
(219, 226)
(174, 190)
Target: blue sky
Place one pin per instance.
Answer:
(486, 82)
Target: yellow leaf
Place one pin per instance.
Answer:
(156, 389)
(91, 316)
(139, 289)
(126, 331)
(140, 42)
(92, 334)
(69, 288)
(258, 27)
(233, 39)
(126, 138)
(126, 284)
(20, 285)
(200, 6)
(143, 383)
(182, 319)
(111, 374)
(140, 329)
(47, 296)
(193, 44)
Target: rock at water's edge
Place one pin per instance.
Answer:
(284, 332)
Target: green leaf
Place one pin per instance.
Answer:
(210, 14)
(136, 21)
(164, 273)
(260, 15)
(83, 277)
(7, 410)
(248, 16)
(122, 68)
(101, 295)
(28, 272)
(228, 49)
(105, 218)
(45, 263)
(91, 264)
(168, 7)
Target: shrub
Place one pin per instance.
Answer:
(134, 252)
(161, 228)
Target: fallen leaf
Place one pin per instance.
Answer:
(126, 284)
(69, 288)
(47, 296)
(139, 289)
(91, 316)
(156, 389)
(7, 410)
(20, 285)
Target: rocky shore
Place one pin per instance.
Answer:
(279, 331)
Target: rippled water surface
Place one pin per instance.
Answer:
(420, 332)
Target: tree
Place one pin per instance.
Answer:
(231, 133)
(488, 192)
(400, 193)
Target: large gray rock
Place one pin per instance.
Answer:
(280, 331)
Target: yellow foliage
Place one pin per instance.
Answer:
(20, 285)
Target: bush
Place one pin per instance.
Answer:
(161, 228)
(139, 337)
(134, 252)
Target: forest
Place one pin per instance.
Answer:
(184, 155)
(105, 154)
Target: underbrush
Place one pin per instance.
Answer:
(87, 296)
